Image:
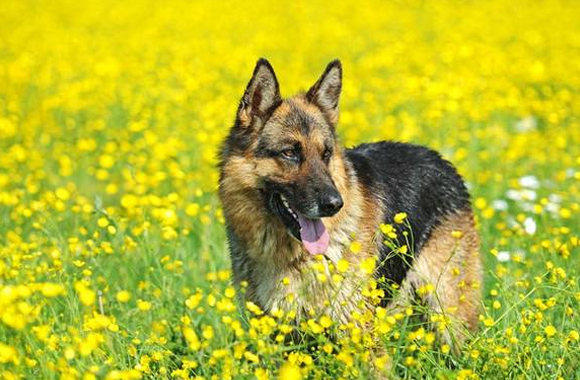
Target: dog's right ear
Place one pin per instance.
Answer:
(261, 96)
(326, 91)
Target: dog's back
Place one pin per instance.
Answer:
(443, 243)
(412, 179)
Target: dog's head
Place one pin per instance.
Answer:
(291, 144)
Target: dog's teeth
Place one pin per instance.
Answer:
(287, 205)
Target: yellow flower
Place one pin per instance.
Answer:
(191, 338)
(230, 292)
(123, 296)
(86, 295)
(62, 193)
(456, 234)
(550, 331)
(106, 161)
(488, 322)
(90, 343)
(193, 301)
(386, 228)
(8, 354)
(325, 321)
(211, 300)
(480, 203)
(400, 217)
(355, 247)
(342, 265)
(368, 265)
(169, 233)
(129, 201)
(207, 332)
(465, 374)
(290, 372)
(314, 326)
(426, 289)
(565, 213)
(52, 290)
(261, 374)
(251, 357)
(192, 209)
(144, 305)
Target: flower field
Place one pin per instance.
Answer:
(113, 257)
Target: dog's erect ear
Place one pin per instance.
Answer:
(326, 91)
(262, 94)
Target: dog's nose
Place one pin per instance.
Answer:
(331, 204)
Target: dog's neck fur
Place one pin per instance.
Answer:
(269, 254)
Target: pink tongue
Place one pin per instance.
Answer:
(313, 234)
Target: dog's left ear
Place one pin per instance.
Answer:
(326, 91)
(262, 94)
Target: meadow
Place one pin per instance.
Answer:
(113, 258)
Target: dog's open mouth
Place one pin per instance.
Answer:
(311, 232)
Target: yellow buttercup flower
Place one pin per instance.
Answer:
(144, 305)
(52, 290)
(8, 354)
(355, 247)
(123, 296)
(550, 331)
(290, 372)
(400, 217)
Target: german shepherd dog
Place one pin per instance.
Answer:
(291, 193)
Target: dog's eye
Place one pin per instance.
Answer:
(289, 154)
(326, 155)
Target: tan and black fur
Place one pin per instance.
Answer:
(285, 151)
